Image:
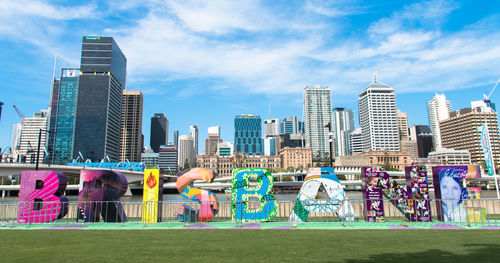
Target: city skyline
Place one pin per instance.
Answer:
(219, 97)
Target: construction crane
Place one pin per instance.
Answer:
(19, 113)
(487, 99)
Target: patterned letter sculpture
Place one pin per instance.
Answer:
(264, 207)
(417, 185)
(206, 199)
(308, 201)
(152, 196)
(40, 197)
(376, 183)
(99, 193)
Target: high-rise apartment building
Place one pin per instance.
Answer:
(62, 116)
(193, 131)
(271, 128)
(99, 110)
(402, 125)
(131, 136)
(422, 135)
(186, 152)
(291, 125)
(343, 125)
(30, 131)
(213, 140)
(439, 110)
(248, 134)
(356, 141)
(317, 114)
(377, 118)
(459, 132)
(159, 131)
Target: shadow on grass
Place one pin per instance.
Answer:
(473, 253)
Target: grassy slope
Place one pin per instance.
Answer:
(250, 246)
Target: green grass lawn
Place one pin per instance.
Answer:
(250, 246)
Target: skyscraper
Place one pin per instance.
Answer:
(28, 141)
(99, 112)
(193, 131)
(356, 141)
(247, 134)
(167, 158)
(213, 140)
(439, 110)
(402, 125)
(176, 139)
(377, 117)
(271, 128)
(422, 135)
(186, 152)
(62, 116)
(317, 114)
(343, 125)
(159, 131)
(131, 136)
(459, 132)
(291, 125)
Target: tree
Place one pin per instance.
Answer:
(186, 165)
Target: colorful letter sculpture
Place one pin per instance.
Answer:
(99, 193)
(418, 186)
(207, 200)
(152, 196)
(376, 183)
(40, 197)
(264, 207)
(449, 192)
(308, 201)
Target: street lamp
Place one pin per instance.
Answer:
(330, 140)
(39, 142)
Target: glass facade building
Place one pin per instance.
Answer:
(159, 131)
(99, 111)
(62, 116)
(248, 134)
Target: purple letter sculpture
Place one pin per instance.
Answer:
(40, 197)
(418, 186)
(99, 193)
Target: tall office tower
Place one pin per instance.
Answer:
(167, 159)
(317, 114)
(439, 110)
(193, 131)
(99, 110)
(131, 136)
(159, 131)
(402, 125)
(343, 125)
(28, 141)
(422, 135)
(271, 127)
(62, 116)
(213, 140)
(54, 106)
(291, 125)
(186, 152)
(356, 141)
(269, 146)
(460, 132)
(176, 139)
(377, 117)
(247, 134)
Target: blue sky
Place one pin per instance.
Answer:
(203, 62)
